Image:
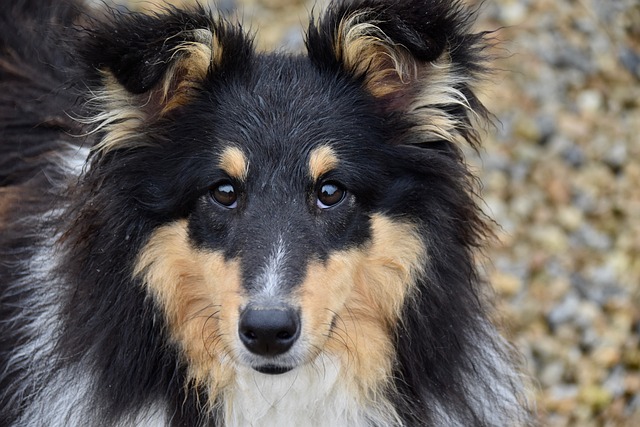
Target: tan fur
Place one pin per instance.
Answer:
(392, 73)
(122, 116)
(322, 160)
(366, 288)
(365, 50)
(190, 68)
(234, 163)
(200, 293)
(439, 91)
(125, 115)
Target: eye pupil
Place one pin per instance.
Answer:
(225, 194)
(330, 194)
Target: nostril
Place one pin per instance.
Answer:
(283, 335)
(269, 332)
(250, 335)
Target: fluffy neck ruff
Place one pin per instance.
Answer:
(318, 394)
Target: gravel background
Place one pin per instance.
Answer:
(561, 177)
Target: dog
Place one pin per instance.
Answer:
(194, 233)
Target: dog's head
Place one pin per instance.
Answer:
(279, 207)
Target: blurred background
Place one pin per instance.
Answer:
(561, 176)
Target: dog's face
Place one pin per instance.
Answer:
(285, 203)
(289, 249)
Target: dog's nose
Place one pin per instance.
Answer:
(269, 332)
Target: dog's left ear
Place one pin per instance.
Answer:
(415, 57)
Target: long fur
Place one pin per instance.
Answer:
(162, 185)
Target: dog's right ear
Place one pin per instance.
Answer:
(143, 67)
(416, 58)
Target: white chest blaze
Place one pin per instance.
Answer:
(314, 395)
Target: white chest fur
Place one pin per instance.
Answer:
(315, 395)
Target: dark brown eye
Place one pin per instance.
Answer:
(330, 194)
(225, 194)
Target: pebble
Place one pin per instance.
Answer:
(506, 284)
(565, 310)
(552, 374)
(631, 60)
(589, 101)
(513, 13)
(595, 396)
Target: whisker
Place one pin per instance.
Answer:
(198, 313)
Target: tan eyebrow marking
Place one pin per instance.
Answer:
(234, 162)
(322, 160)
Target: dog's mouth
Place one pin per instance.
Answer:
(272, 369)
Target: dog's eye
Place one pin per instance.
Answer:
(225, 194)
(330, 194)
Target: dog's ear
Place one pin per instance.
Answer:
(143, 67)
(415, 57)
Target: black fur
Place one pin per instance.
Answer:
(52, 59)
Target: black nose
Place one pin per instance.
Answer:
(269, 332)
